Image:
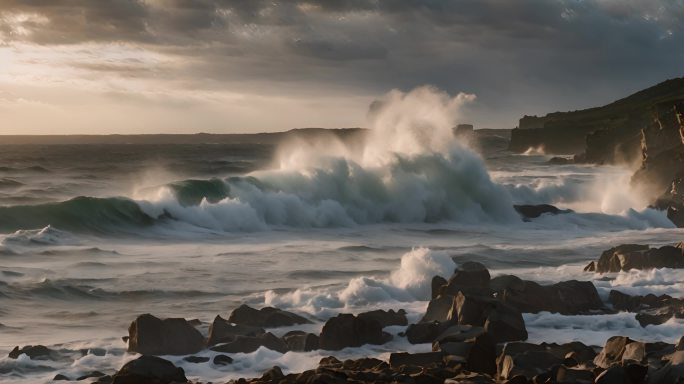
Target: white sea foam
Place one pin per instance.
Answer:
(409, 283)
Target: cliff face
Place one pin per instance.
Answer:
(608, 134)
(662, 168)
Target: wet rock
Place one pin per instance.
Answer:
(386, 318)
(274, 375)
(651, 309)
(613, 375)
(416, 359)
(268, 317)
(347, 330)
(482, 356)
(634, 256)
(299, 341)
(567, 297)
(438, 308)
(222, 360)
(91, 375)
(196, 359)
(470, 277)
(559, 160)
(426, 332)
(222, 331)
(501, 321)
(149, 335)
(248, 344)
(529, 363)
(570, 375)
(60, 377)
(500, 283)
(459, 332)
(438, 282)
(35, 352)
(671, 373)
(149, 369)
(470, 378)
(534, 211)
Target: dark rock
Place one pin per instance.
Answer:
(386, 318)
(501, 321)
(570, 375)
(680, 344)
(470, 277)
(425, 332)
(273, 375)
(567, 297)
(500, 283)
(531, 362)
(299, 341)
(196, 359)
(671, 373)
(651, 309)
(635, 256)
(460, 332)
(222, 360)
(91, 375)
(149, 369)
(35, 352)
(417, 359)
(470, 378)
(149, 335)
(438, 308)
(248, 344)
(268, 317)
(438, 282)
(635, 372)
(534, 211)
(222, 331)
(60, 377)
(613, 375)
(347, 330)
(558, 160)
(482, 356)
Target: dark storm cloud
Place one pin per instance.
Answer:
(511, 53)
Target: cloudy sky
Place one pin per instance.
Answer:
(144, 66)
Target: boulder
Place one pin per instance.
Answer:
(470, 277)
(149, 369)
(634, 256)
(438, 282)
(268, 317)
(482, 356)
(501, 321)
(416, 359)
(426, 332)
(529, 363)
(671, 373)
(575, 376)
(196, 359)
(248, 344)
(438, 308)
(222, 360)
(651, 309)
(149, 335)
(386, 318)
(567, 297)
(528, 212)
(298, 341)
(34, 352)
(346, 330)
(222, 331)
(612, 352)
(615, 374)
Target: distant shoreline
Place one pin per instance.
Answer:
(193, 138)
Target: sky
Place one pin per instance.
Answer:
(233, 66)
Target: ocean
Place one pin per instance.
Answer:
(91, 236)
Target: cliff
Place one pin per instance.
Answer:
(662, 169)
(607, 134)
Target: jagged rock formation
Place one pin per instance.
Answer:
(607, 134)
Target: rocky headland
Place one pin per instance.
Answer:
(473, 323)
(646, 129)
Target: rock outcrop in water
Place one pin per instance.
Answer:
(635, 256)
(267, 317)
(473, 324)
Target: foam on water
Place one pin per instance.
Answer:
(409, 283)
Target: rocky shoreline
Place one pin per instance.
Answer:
(473, 322)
